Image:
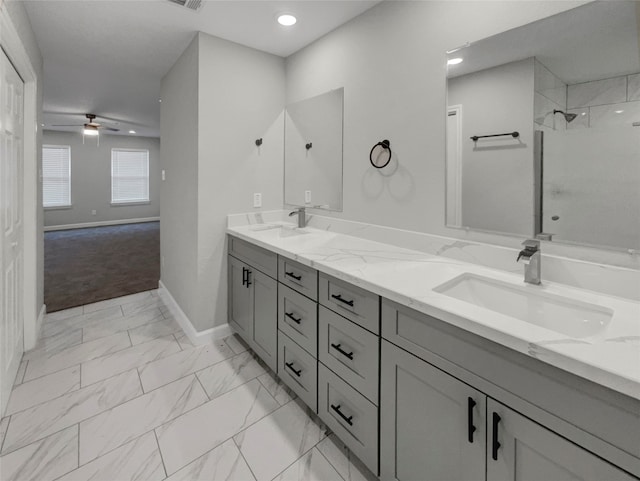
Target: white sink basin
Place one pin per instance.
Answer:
(279, 230)
(566, 316)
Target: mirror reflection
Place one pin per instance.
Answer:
(313, 152)
(570, 86)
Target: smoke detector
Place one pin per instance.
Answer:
(194, 5)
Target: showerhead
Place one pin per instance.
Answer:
(567, 117)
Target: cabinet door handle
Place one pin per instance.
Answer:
(338, 347)
(292, 317)
(292, 275)
(495, 445)
(348, 420)
(471, 428)
(244, 276)
(290, 366)
(248, 277)
(339, 297)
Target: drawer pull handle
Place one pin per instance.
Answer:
(292, 317)
(290, 366)
(249, 278)
(293, 276)
(495, 445)
(338, 347)
(346, 419)
(244, 275)
(339, 297)
(471, 428)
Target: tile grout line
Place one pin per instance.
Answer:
(202, 386)
(333, 465)
(164, 466)
(53, 398)
(187, 374)
(79, 422)
(241, 454)
(4, 436)
(3, 454)
(69, 367)
(299, 458)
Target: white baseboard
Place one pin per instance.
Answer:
(196, 337)
(100, 224)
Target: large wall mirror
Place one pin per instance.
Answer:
(313, 152)
(543, 129)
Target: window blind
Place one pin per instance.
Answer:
(56, 176)
(129, 176)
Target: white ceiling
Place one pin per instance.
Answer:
(108, 57)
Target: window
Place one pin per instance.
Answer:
(129, 176)
(56, 176)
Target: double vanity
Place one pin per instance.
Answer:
(431, 368)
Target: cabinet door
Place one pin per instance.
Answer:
(432, 426)
(239, 305)
(519, 449)
(265, 317)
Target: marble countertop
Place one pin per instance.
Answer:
(610, 358)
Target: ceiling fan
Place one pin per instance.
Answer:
(91, 127)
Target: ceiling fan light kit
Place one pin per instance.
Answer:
(90, 129)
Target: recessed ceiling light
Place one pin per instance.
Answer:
(583, 113)
(454, 61)
(132, 131)
(619, 111)
(159, 100)
(287, 20)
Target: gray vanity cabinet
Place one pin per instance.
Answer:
(432, 425)
(520, 449)
(239, 299)
(253, 299)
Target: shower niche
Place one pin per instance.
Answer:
(569, 86)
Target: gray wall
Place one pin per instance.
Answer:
(391, 62)
(211, 116)
(236, 106)
(91, 179)
(497, 174)
(179, 193)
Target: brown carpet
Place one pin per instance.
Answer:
(82, 266)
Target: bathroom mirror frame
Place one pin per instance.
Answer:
(626, 65)
(317, 110)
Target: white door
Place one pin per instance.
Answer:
(11, 262)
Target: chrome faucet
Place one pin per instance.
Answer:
(302, 216)
(530, 256)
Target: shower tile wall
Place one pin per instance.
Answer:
(603, 103)
(550, 94)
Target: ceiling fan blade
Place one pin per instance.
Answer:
(67, 125)
(111, 129)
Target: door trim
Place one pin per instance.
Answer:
(32, 231)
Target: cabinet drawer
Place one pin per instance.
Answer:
(257, 257)
(299, 277)
(354, 303)
(350, 351)
(350, 415)
(298, 318)
(298, 370)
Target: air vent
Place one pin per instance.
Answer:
(190, 4)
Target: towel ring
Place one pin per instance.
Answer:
(385, 144)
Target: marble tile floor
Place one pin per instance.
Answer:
(114, 391)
